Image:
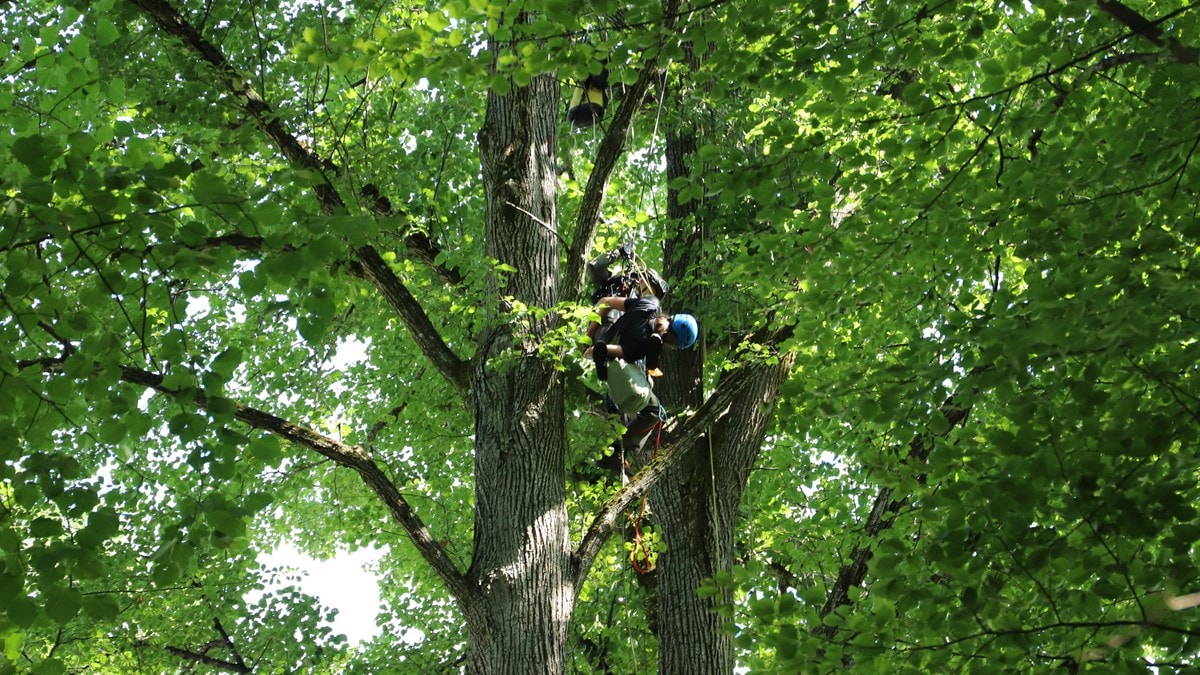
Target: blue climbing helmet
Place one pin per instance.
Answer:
(686, 329)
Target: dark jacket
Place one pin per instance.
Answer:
(633, 331)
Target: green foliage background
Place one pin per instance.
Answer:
(980, 220)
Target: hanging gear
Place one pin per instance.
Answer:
(628, 283)
(656, 283)
(589, 100)
(619, 286)
(629, 388)
(641, 556)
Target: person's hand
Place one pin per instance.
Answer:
(654, 344)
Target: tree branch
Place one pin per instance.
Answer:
(854, 572)
(1149, 30)
(351, 457)
(683, 438)
(611, 147)
(1107, 63)
(419, 326)
(248, 99)
(227, 666)
(228, 641)
(392, 288)
(371, 266)
(237, 665)
(1058, 625)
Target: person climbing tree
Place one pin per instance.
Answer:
(631, 332)
(630, 282)
(639, 333)
(631, 324)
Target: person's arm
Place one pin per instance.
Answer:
(611, 350)
(611, 302)
(603, 307)
(653, 353)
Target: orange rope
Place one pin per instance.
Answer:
(640, 556)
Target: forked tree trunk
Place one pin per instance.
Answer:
(696, 503)
(523, 594)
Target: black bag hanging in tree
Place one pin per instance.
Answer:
(588, 100)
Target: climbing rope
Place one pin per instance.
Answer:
(640, 556)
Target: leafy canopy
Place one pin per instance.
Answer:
(977, 218)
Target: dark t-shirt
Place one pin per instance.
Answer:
(634, 328)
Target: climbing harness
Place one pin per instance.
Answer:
(627, 283)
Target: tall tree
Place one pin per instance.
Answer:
(316, 273)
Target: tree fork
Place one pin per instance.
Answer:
(607, 155)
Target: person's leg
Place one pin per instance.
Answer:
(605, 285)
(600, 358)
(628, 386)
(602, 281)
(598, 268)
(643, 430)
(600, 331)
(600, 334)
(614, 461)
(652, 283)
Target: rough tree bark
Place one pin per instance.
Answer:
(523, 597)
(519, 593)
(696, 503)
(696, 506)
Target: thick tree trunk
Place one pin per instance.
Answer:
(521, 572)
(696, 502)
(696, 505)
(683, 265)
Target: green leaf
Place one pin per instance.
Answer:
(22, 612)
(62, 604)
(267, 449)
(10, 586)
(103, 524)
(763, 608)
(100, 607)
(36, 153)
(437, 21)
(313, 328)
(187, 426)
(221, 407)
(106, 32)
(13, 640)
(45, 527)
